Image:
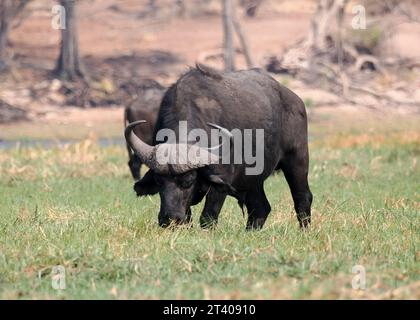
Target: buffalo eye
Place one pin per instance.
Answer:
(158, 180)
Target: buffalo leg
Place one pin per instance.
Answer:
(295, 169)
(212, 207)
(258, 208)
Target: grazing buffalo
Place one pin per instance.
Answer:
(235, 102)
(145, 107)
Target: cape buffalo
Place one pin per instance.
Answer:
(241, 100)
(145, 107)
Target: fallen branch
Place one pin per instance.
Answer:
(347, 86)
(367, 58)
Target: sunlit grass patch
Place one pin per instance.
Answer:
(82, 159)
(74, 206)
(374, 140)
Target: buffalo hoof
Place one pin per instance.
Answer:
(255, 224)
(305, 223)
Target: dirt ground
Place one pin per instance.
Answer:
(117, 39)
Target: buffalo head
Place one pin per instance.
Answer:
(179, 172)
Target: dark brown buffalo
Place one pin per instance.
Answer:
(236, 100)
(145, 107)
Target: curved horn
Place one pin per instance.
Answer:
(225, 131)
(151, 155)
(146, 153)
(200, 157)
(192, 157)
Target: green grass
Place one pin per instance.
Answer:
(75, 207)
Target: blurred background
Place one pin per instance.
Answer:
(354, 63)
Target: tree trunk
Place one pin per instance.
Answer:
(321, 23)
(4, 32)
(339, 42)
(320, 40)
(68, 64)
(228, 35)
(9, 9)
(243, 40)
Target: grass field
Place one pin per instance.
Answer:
(73, 206)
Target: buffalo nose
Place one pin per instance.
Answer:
(172, 218)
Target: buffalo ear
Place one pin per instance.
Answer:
(147, 185)
(217, 181)
(214, 178)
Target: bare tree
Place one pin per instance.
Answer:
(9, 9)
(243, 41)
(230, 25)
(68, 65)
(320, 41)
(228, 46)
(326, 11)
(324, 54)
